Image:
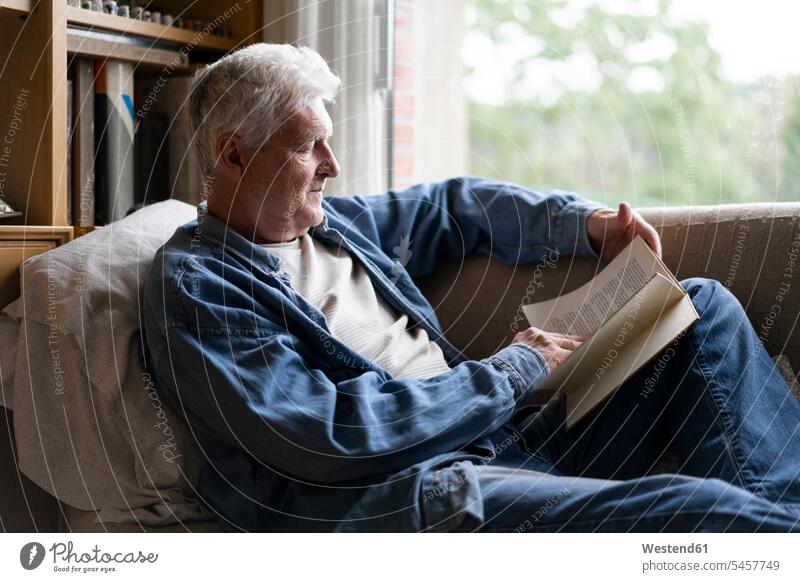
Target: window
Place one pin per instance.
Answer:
(655, 102)
(429, 135)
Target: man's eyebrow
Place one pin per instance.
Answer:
(314, 134)
(321, 132)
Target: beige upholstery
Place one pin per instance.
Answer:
(78, 301)
(748, 247)
(78, 520)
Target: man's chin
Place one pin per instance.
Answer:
(318, 215)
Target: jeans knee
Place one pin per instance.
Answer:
(697, 285)
(704, 291)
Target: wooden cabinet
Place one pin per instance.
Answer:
(18, 243)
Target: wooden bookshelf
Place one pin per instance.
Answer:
(18, 243)
(11, 6)
(34, 35)
(130, 26)
(33, 111)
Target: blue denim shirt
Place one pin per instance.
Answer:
(297, 430)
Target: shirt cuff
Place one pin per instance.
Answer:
(571, 227)
(526, 368)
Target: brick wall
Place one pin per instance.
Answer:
(429, 122)
(404, 95)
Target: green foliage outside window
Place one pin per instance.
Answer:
(697, 138)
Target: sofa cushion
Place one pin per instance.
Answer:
(89, 424)
(78, 520)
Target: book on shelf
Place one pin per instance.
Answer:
(151, 177)
(82, 147)
(184, 175)
(628, 314)
(114, 152)
(70, 130)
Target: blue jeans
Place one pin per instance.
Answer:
(714, 398)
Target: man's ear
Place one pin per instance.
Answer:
(232, 158)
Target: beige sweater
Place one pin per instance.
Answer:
(340, 288)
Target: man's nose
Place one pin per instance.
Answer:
(330, 166)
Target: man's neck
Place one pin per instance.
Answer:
(245, 225)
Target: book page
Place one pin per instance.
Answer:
(637, 315)
(582, 311)
(584, 396)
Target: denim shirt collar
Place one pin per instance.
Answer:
(215, 230)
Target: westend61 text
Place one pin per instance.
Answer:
(671, 549)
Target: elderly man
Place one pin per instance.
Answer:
(324, 395)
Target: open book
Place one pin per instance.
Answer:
(630, 312)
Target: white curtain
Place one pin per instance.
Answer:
(354, 37)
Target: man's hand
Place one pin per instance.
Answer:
(609, 232)
(554, 347)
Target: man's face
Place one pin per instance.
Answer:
(289, 172)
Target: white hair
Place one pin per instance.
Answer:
(252, 91)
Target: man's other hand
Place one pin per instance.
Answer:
(554, 347)
(609, 232)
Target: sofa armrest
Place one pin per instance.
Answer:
(753, 249)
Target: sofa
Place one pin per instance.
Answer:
(752, 248)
